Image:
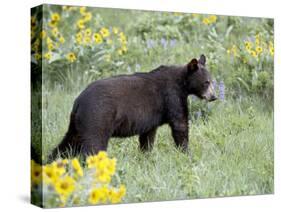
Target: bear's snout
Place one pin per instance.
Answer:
(210, 95)
(213, 98)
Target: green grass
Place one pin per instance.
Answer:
(231, 153)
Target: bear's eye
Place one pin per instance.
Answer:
(207, 82)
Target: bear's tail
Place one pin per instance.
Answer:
(70, 143)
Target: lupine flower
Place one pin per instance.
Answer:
(150, 43)
(173, 43)
(164, 42)
(214, 84)
(221, 90)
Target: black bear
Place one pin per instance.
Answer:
(136, 104)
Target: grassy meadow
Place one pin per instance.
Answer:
(231, 142)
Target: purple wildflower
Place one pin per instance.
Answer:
(173, 43)
(215, 84)
(164, 43)
(222, 90)
(150, 43)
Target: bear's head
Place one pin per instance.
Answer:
(199, 82)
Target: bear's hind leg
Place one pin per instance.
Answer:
(92, 144)
(147, 140)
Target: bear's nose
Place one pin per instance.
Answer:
(213, 98)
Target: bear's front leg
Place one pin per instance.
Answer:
(180, 134)
(147, 140)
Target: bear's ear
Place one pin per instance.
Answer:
(202, 59)
(192, 65)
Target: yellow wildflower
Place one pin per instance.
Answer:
(88, 16)
(49, 40)
(248, 45)
(82, 10)
(48, 55)
(65, 186)
(122, 190)
(122, 38)
(257, 42)
(61, 39)
(257, 39)
(111, 166)
(103, 176)
(101, 155)
(234, 50)
(120, 52)
(55, 32)
(59, 168)
(71, 57)
(271, 51)
(113, 196)
(98, 195)
(51, 46)
(37, 56)
(55, 17)
(103, 194)
(88, 32)
(115, 30)
(50, 175)
(259, 49)
(79, 38)
(87, 40)
(94, 197)
(43, 34)
(254, 53)
(91, 161)
(116, 196)
(124, 49)
(80, 24)
(212, 18)
(206, 21)
(75, 163)
(51, 172)
(97, 38)
(53, 23)
(104, 32)
(36, 173)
